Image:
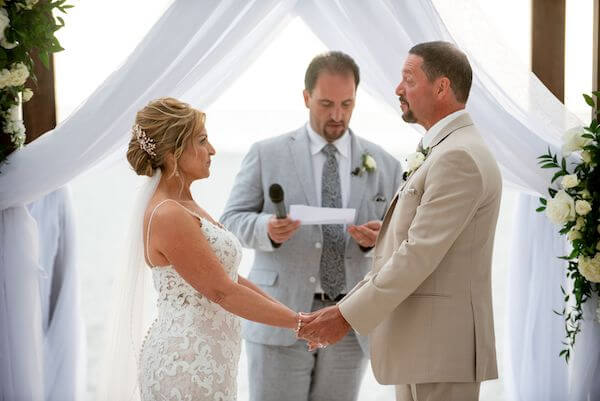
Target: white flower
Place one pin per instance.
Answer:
(586, 156)
(16, 76)
(13, 125)
(582, 207)
(369, 163)
(573, 235)
(561, 208)
(590, 267)
(414, 161)
(4, 21)
(585, 194)
(27, 94)
(569, 181)
(573, 140)
(580, 222)
(28, 4)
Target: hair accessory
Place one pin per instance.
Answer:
(147, 144)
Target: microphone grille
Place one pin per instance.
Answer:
(276, 193)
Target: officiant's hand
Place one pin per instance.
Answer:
(281, 230)
(366, 234)
(325, 326)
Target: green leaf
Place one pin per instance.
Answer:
(589, 100)
(540, 209)
(543, 201)
(550, 165)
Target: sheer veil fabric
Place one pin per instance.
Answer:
(132, 311)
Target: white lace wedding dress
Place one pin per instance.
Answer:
(192, 349)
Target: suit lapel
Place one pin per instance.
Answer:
(358, 183)
(300, 149)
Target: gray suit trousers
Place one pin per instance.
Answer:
(280, 373)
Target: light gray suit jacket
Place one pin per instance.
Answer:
(289, 273)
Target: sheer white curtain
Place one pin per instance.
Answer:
(194, 45)
(197, 48)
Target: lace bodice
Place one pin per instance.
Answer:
(192, 349)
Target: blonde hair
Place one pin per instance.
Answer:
(169, 124)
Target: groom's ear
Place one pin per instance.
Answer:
(443, 87)
(306, 95)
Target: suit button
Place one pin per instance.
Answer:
(318, 245)
(312, 279)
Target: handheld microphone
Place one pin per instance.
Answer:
(276, 195)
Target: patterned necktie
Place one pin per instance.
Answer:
(332, 273)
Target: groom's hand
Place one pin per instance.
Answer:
(366, 234)
(326, 326)
(281, 230)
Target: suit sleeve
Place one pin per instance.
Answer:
(243, 214)
(452, 194)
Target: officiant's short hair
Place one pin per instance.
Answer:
(443, 59)
(334, 62)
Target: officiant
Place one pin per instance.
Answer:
(308, 267)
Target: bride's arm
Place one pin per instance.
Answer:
(249, 284)
(177, 236)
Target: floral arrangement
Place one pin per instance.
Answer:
(25, 25)
(575, 207)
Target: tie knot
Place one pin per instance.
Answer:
(329, 150)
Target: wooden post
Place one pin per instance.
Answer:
(548, 44)
(39, 113)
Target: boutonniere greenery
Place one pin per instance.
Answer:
(367, 164)
(414, 161)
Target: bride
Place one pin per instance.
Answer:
(192, 348)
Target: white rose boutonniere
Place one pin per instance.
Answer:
(368, 164)
(414, 161)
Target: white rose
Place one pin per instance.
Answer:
(414, 161)
(569, 181)
(561, 208)
(370, 163)
(582, 207)
(586, 156)
(27, 94)
(573, 235)
(580, 222)
(573, 140)
(590, 267)
(19, 74)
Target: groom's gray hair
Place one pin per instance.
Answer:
(333, 61)
(443, 59)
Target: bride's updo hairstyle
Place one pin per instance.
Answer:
(164, 126)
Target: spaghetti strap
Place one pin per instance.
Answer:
(150, 222)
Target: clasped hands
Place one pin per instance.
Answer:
(322, 328)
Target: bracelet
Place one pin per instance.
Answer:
(298, 323)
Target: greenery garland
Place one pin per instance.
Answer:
(25, 26)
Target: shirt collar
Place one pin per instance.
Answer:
(317, 142)
(437, 127)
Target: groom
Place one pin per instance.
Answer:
(322, 163)
(427, 301)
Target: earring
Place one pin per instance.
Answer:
(176, 173)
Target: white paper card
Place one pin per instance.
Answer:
(322, 215)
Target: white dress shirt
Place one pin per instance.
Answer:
(437, 127)
(343, 156)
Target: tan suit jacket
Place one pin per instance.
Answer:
(427, 302)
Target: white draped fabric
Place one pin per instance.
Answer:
(195, 51)
(62, 323)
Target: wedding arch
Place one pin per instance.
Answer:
(196, 49)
